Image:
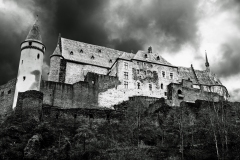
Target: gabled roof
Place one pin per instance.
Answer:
(34, 33)
(203, 77)
(151, 57)
(91, 54)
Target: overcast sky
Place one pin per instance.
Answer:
(181, 30)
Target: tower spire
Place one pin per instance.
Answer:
(206, 63)
(34, 33)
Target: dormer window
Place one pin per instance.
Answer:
(99, 50)
(145, 55)
(92, 57)
(158, 58)
(71, 53)
(81, 51)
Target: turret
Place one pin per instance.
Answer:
(30, 64)
(55, 62)
(206, 63)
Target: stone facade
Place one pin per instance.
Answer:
(89, 76)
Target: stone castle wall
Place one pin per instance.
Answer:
(6, 97)
(185, 92)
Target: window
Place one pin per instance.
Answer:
(2, 93)
(137, 71)
(158, 58)
(43, 48)
(163, 73)
(125, 84)
(24, 78)
(38, 56)
(92, 57)
(125, 75)
(144, 63)
(110, 61)
(99, 50)
(171, 75)
(145, 55)
(179, 91)
(9, 92)
(150, 87)
(165, 93)
(125, 65)
(71, 52)
(30, 43)
(161, 86)
(138, 85)
(81, 51)
(22, 61)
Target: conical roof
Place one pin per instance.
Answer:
(34, 33)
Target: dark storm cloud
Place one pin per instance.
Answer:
(174, 21)
(229, 64)
(89, 21)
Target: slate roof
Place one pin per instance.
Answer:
(203, 77)
(34, 33)
(151, 57)
(91, 54)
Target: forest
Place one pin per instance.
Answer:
(204, 130)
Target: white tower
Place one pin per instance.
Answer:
(30, 64)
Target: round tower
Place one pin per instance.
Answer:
(55, 62)
(30, 64)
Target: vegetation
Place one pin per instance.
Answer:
(205, 131)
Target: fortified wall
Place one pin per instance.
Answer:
(188, 92)
(83, 94)
(6, 97)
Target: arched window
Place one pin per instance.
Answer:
(71, 52)
(81, 51)
(38, 56)
(150, 87)
(179, 91)
(24, 78)
(138, 85)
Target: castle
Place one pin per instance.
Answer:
(83, 75)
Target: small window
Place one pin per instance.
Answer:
(71, 52)
(22, 61)
(171, 75)
(9, 92)
(137, 71)
(144, 63)
(38, 56)
(81, 51)
(24, 78)
(163, 73)
(125, 75)
(92, 57)
(158, 58)
(125, 65)
(138, 85)
(150, 87)
(43, 48)
(161, 86)
(179, 91)
(30, 43)
(165, 93)
(146, 56)
(110, 61)
(99, 50)
(2, 93)
(145, 72)
(125, 84)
